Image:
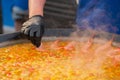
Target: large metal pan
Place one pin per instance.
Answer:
(62, 34)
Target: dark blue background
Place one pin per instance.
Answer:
(107, 12)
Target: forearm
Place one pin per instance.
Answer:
(36, 7)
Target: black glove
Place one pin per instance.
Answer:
(34, 29)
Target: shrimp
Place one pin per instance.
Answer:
(40, 48)
(55, 45)
(70, 46)
(87, 45)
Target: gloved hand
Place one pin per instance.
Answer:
(34, 29)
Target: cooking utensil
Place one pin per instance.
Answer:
(10, 36)
(17, 37)
(48, 32)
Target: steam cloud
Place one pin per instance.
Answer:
(96, 17)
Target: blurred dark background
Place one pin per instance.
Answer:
(58, 14)
(1, 28)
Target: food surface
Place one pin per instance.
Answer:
(60, 60)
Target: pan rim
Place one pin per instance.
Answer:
(83, 39)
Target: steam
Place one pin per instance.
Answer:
(95, 17)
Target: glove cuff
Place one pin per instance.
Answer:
(36, 19)
(37, 16)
